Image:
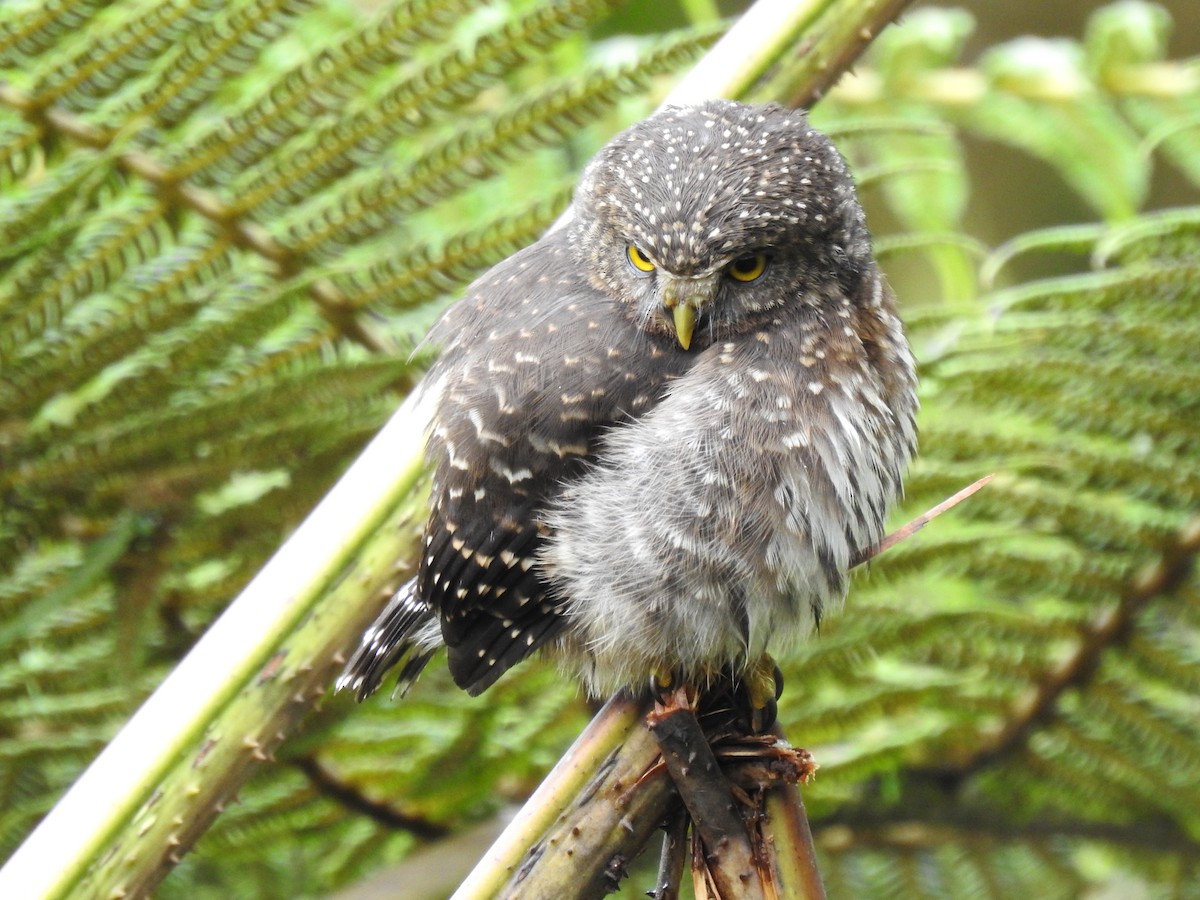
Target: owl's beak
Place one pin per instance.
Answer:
(685, 324)
(685, 297)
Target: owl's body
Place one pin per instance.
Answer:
(662, 431)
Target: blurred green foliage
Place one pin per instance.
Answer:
(224, 227)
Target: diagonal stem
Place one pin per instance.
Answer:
(602, 803)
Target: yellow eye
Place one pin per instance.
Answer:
(747, 268)
(638, 260)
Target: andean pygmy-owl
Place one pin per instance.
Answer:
(663, 430)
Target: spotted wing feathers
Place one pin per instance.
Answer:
(532, 385)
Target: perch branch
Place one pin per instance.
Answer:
(785, 829)
(674, 856)
(596, 831)
(708, 796)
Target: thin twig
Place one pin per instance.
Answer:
(340, 792)
(674, 856)
(906, 531)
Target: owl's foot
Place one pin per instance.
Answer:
(764, 687)
(754, 693)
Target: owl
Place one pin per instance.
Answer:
(662, 431)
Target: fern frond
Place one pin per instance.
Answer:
(304, 345)
(126, 49)
(209, 55)
(1154, 653)
(99, 703)
(333, 77)
(1167, 234)
(19, 148)
(1126, 46)
(446, 83)
(421, 274)
(166, 365)
(270, 415)
(1133, 337)
(160, 294)
(373, 203)
(1084, 138)
(59, 275)
(43, 210)
(42, 25)
(1166, 741)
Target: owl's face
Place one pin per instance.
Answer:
(704, 222)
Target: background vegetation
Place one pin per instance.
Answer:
(224, 226)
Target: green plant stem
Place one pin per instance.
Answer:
(824, 36)
(767, 30)
(786, 831)
(624, 778)
(608, 734)
(584, 855)
(829, 49)
(158, 784)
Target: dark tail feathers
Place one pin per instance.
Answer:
(406, 633)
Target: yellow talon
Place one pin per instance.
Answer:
(764, 684)
(661, 680)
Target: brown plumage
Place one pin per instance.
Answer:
(662, 431)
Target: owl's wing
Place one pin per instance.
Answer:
(535, 368)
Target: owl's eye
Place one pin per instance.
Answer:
(747, 268)
(638, 260)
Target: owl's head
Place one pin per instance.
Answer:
(708, 220)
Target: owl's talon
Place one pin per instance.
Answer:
(671, 692)
(763, 717)
(764, 684)
(661, 683)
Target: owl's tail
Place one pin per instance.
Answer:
(406, 633)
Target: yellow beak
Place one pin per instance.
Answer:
(684, 297)
(685, 324)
